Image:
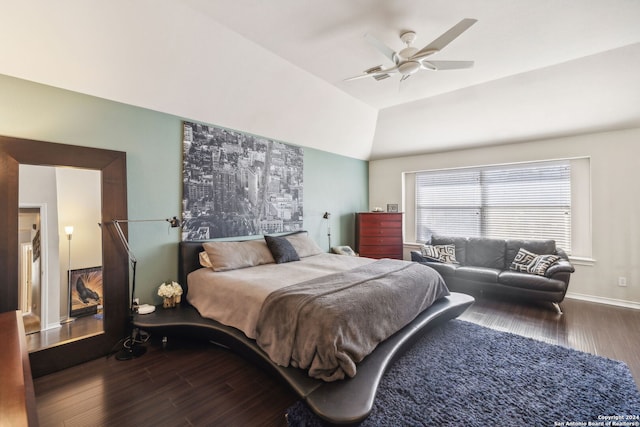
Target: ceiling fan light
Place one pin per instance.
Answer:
(409, 67)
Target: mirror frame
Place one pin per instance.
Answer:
(113, 168)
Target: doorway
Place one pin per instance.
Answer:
(30, 271)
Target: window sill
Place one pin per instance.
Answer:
(579, 260)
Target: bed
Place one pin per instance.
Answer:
(341, 394)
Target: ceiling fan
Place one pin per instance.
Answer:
(410, 60)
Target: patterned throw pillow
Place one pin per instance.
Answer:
(522, 260)
(528, 262)
(541, 264)
(442, 253)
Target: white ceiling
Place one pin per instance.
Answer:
(326, 38)
(544, 68)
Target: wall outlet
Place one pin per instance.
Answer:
(622, 281)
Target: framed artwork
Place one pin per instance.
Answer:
(392, 207)
(239, 184)
(86, 291)
(36, 246)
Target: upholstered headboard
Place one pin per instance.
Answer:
(188, 261)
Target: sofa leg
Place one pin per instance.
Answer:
(557, 307)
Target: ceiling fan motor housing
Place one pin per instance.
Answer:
(408, 67)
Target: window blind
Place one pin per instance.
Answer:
(525, 201)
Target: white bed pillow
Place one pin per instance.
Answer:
(204, 260)
(225, 256)
(303, 244)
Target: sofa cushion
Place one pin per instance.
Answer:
(531, 281)
(541, 247)
(528, 262)
(562, 266)
(478, 274)
(459, 242)
(445, 270)
(443, 253)
(483, 252)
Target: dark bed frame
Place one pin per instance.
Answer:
(346, 401)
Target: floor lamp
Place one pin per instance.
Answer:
(69, 232)
(131, 349)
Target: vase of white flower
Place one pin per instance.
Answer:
(171, 293)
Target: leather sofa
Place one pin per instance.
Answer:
(486, 265)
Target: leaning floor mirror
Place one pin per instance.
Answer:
(61, 262)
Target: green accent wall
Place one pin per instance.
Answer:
(153, 143)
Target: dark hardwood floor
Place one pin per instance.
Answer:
(198, 384)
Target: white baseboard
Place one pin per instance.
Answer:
(603, 300)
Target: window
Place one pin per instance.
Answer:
(531, 200)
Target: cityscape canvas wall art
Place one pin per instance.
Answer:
(238, 184)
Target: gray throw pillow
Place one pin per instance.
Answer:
(281, 249)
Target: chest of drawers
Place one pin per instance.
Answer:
(379, 234)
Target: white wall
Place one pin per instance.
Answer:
(80, 206)
(38, 189)
(101, 49)
(614, 197)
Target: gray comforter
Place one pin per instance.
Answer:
(329, 324)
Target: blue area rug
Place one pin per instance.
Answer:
(462, 374)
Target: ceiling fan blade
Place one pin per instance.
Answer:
(389, 53)
(376, 72)
(360, 76)
(446, 65)
(446, 38)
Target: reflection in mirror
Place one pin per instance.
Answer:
(30, 260)
(60, 274)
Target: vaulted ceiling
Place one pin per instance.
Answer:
(542, 69)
